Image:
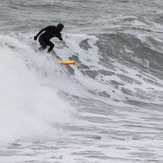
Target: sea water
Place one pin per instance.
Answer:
(105, 108)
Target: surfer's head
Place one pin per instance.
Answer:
(60, 27)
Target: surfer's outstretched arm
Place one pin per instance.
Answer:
(42, 30)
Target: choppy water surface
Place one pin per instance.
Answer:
(108, 107)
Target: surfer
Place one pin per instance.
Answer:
(49, 32)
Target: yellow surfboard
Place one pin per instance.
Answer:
(65, 62)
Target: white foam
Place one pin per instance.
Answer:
(28, 109)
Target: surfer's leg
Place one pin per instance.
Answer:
(51, 46)
(42, 43)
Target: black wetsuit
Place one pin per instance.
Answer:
(49, 32)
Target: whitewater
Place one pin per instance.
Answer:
(105, 108)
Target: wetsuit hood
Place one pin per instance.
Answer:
(60, 27)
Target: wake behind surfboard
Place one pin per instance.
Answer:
(64, 62)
